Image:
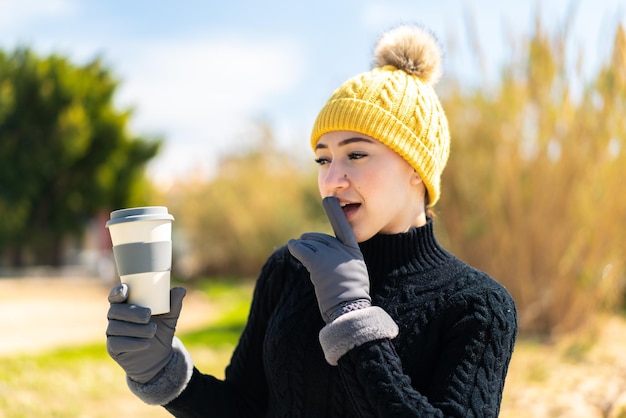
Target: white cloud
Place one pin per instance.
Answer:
(192, 82)
(201, 94)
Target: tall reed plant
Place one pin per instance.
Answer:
(533, 189)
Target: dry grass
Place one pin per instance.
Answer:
(577, 375)
(80, 382)
(532, 192)
(53, 362)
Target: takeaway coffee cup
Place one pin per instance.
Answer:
(142, 247)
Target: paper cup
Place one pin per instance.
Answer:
(142, 247)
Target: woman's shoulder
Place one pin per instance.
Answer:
(278, 274)
(472, 286)
(280, 266)
(280, 257)
(466, 276)
(486, 301)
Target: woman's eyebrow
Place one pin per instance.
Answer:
(345, 142)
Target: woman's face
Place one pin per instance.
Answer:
(379, 191)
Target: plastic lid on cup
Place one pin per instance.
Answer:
(146, 213)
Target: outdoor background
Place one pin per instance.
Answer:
(206, 107)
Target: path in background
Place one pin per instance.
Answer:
(38, 314)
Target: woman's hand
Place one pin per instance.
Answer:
(335, 264)
(137, 341)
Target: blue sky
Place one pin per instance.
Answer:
(200, 73)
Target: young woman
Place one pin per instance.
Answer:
(376, 321)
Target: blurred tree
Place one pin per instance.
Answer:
(259, 199)
(66, 152)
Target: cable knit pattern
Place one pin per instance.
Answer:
(456, 331)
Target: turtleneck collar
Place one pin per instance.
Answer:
(412, 251)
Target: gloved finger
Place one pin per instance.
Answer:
(128, 329)
(129, 313)
(300, 249)
(119, 293)
(120, 345)
(318, 237)
(177, 294)
(341, 227)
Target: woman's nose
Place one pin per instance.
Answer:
(334, 177)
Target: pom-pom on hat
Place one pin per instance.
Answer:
(396, 103)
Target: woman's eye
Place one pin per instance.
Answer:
(322, 161)
(356, 155)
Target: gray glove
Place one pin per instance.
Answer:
(336, 265)
(141, 344)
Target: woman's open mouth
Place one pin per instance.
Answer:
(349, 208)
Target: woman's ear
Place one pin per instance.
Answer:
(416, 178)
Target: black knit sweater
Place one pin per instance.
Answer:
(457, 328)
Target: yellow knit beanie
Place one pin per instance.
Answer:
(396, 103)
